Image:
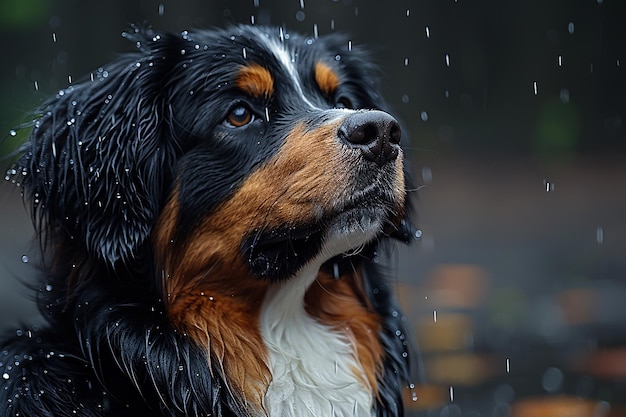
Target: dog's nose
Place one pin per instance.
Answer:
(375, 132)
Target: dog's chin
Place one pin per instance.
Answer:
(352, 229)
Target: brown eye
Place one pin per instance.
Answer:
(240, 115)
(343, 103)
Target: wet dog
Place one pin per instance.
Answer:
(211, 209)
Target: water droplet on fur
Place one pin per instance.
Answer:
(25, 258)
(48, 287)
(5, 376)
(12, 132)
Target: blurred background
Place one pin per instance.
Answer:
(514, 113)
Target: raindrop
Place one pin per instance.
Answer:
(617, 62)
(181, 367)
(349, 45)
(161, 9)
(5, 376)
(424, 116)
(406, 62)
(564, 95)
(36, 86)
(302, 4)
(252, 19)
(69, 79)
(405, 98)
(54, 37)
(560, 60)
(300, 16)
(447, 60)
(451, 394)
(245, 54)
(418, 235)
(435, 316)
(25, 259)
(12, 132)
(535, 87)
(332, 24)
(408, 12)
(600, 235)
(549, 186)
(508, 365)
(256, 3)
(427, 32)
(267, 114)
(48, 287)
(570, 27)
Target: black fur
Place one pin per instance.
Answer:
(102, 157)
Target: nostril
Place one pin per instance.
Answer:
(395, 133)
(362, 134)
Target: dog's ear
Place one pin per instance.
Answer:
(99, 154)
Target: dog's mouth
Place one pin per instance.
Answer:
(278, 253)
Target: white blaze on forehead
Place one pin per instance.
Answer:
(288, 63)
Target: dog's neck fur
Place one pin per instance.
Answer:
(315, 369)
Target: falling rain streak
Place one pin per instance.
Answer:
(447, 60)
(508, 365)
(427, 32)
(535, 87)
(549, 186)
(600, 235)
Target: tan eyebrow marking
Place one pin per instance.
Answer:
(326, 78)
(255, 80)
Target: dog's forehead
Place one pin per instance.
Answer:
(270, 59)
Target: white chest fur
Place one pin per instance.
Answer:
(313, 366)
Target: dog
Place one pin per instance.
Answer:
(212, 209)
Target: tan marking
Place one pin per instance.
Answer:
(326, 78)
(343, 305)
(255, 80)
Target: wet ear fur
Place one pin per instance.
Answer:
(98, 157)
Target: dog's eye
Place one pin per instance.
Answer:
(343, 103)
(240, 115)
